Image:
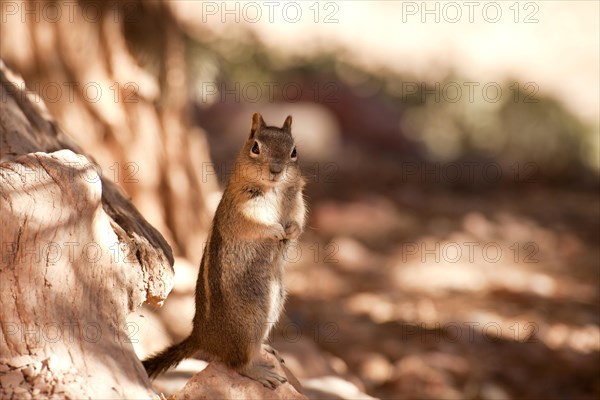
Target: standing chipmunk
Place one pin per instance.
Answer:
(239, 291)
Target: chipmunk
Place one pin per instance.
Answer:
(239, 290)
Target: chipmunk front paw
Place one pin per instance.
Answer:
(292, 230)
(276, 232)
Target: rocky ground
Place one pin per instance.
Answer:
(453, 295)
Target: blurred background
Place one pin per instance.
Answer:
(452, 156)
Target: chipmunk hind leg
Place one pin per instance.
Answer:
(271, 350)
(255, 367)
(264, 373)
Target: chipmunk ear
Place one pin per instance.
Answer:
(257, 124)
(287, 125)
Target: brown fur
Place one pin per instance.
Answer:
(239, 287)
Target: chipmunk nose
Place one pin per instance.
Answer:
(276, 168)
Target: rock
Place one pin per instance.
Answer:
(22, 392)
(491, 391)
(81, 258)
(28, 371)
(375, 368)
(11, 379)
(219, 382)
(332, 388)
(20, 361)
(175, 379)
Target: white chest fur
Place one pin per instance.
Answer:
(264, 209)
(275, 305)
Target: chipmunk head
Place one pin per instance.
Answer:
(271, 153)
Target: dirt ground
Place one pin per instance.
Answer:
(451, 293)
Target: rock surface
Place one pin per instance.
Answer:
(218, 382)
(77, 257)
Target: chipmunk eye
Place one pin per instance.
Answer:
(294, 153)
(255, 148)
